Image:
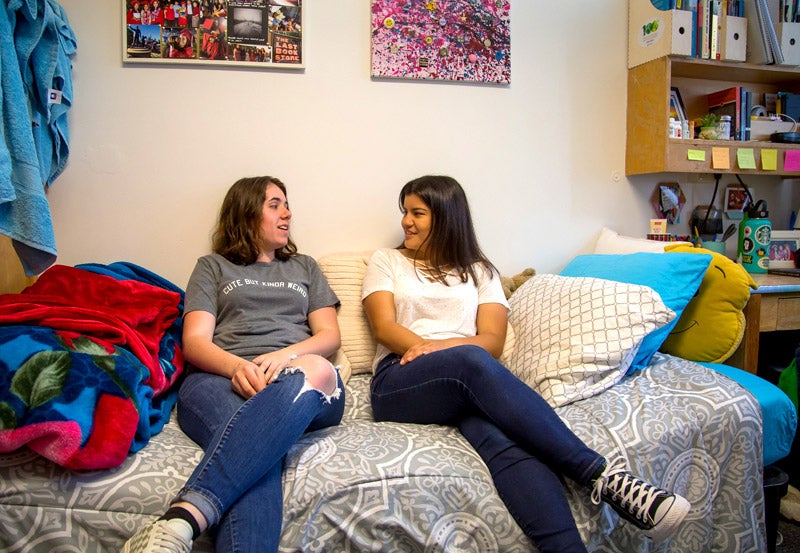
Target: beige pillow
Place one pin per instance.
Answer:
(345, 273)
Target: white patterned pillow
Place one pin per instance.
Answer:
(577, 336)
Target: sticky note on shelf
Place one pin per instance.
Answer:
(791, 162)
(746, 158)
(696, 155)
(769, 159)
(720, 158)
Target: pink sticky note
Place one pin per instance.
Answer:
(792, 160)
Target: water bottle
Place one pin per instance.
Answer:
(755, 234)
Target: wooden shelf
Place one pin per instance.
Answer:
(649, 148)
(734, 71)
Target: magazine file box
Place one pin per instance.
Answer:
(789, 36)
(653, 33)
(735, 46)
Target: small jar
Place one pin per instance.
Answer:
(724, 128)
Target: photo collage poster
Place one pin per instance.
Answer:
(457, 40)
(260, 32)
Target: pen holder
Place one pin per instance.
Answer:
(715, 246)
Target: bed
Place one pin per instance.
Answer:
(367, 486)
(364, 485)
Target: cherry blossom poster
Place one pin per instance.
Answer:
(456, 40)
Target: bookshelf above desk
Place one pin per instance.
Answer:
(649, 149)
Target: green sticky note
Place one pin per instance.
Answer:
(746, 158)
(696, 155)
(769, 159)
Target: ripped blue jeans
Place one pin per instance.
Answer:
(237, 485)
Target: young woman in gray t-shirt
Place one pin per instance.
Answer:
(259, 320)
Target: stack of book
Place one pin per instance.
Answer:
(709, 23)
(755, 31)
(738, 102)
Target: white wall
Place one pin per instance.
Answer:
(155, 148)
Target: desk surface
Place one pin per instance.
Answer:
(775, 284)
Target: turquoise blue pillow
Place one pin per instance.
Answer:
(675, 276)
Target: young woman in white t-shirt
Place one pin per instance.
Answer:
(437, 310)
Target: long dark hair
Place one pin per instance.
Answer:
(238, 234)
(452, 245)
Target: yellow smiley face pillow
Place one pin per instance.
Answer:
(712, 325)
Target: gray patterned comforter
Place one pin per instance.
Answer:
(366, 486)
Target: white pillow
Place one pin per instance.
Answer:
(577, 336)
(611, 242)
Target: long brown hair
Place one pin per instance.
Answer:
(452, 245)
(238, 234)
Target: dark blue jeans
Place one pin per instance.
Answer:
(237, 485)
(526, 446)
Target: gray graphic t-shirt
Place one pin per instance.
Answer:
(260, 307)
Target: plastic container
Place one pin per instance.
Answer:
(724, 128)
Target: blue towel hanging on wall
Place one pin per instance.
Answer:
(36, 46)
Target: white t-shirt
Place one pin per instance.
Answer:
(431, 310)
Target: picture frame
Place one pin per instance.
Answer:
(668, 200)
(447, 41)
(736, 199)
(677, 108)
(247, 33)
(783, 249)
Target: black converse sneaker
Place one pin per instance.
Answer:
(657, 512)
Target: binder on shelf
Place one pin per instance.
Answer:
(772, 16)
(758, 50)
(714, 24)
(653, 33)
(789, 105)
(744, 117)
(728, 102)
(704, 8)
(763, 46)
(733, 38)
(790, 42)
